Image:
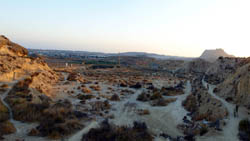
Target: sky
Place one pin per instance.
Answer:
(169, 27)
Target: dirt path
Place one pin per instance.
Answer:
(230, 131)
(22, 129)
(3, 96)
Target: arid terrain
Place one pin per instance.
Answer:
(122, 98)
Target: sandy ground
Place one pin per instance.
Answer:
(161, 119)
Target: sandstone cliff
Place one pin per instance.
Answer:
(213, 55)
(15, 64)
(236, 87)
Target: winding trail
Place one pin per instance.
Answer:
(230, 131)
(22, 129)
(3, 96)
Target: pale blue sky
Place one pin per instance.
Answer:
(171, 27)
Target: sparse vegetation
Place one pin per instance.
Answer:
(59, 120)
(62, 99)
(110, 132)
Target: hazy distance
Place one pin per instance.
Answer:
(170, 27)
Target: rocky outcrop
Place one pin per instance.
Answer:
(221, 69)
(5, 43)
(213, 55)
(195, 66)
(236, 87)
(14, 62)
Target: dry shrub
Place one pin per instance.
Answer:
(95, 87)
(108, 132)
(190, 103)
(4, 113)
(100, 105)
(162, 102)
(7, 127)
(156, 95)
(115, 97)
(86, 90)
(143, 97)
(4, 86)
(59, 120)
(85, 97)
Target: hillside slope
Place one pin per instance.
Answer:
(14, 62)
(236, 87)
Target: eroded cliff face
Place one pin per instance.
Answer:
(6, 46)
(236, 87)
(15, 64)
(221, 69)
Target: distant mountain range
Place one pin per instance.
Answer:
(213, 55)
(208, 55)
(68, 53)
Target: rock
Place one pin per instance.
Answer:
(162, 102)
(213, 55)
(15, 48)
(236, 86)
